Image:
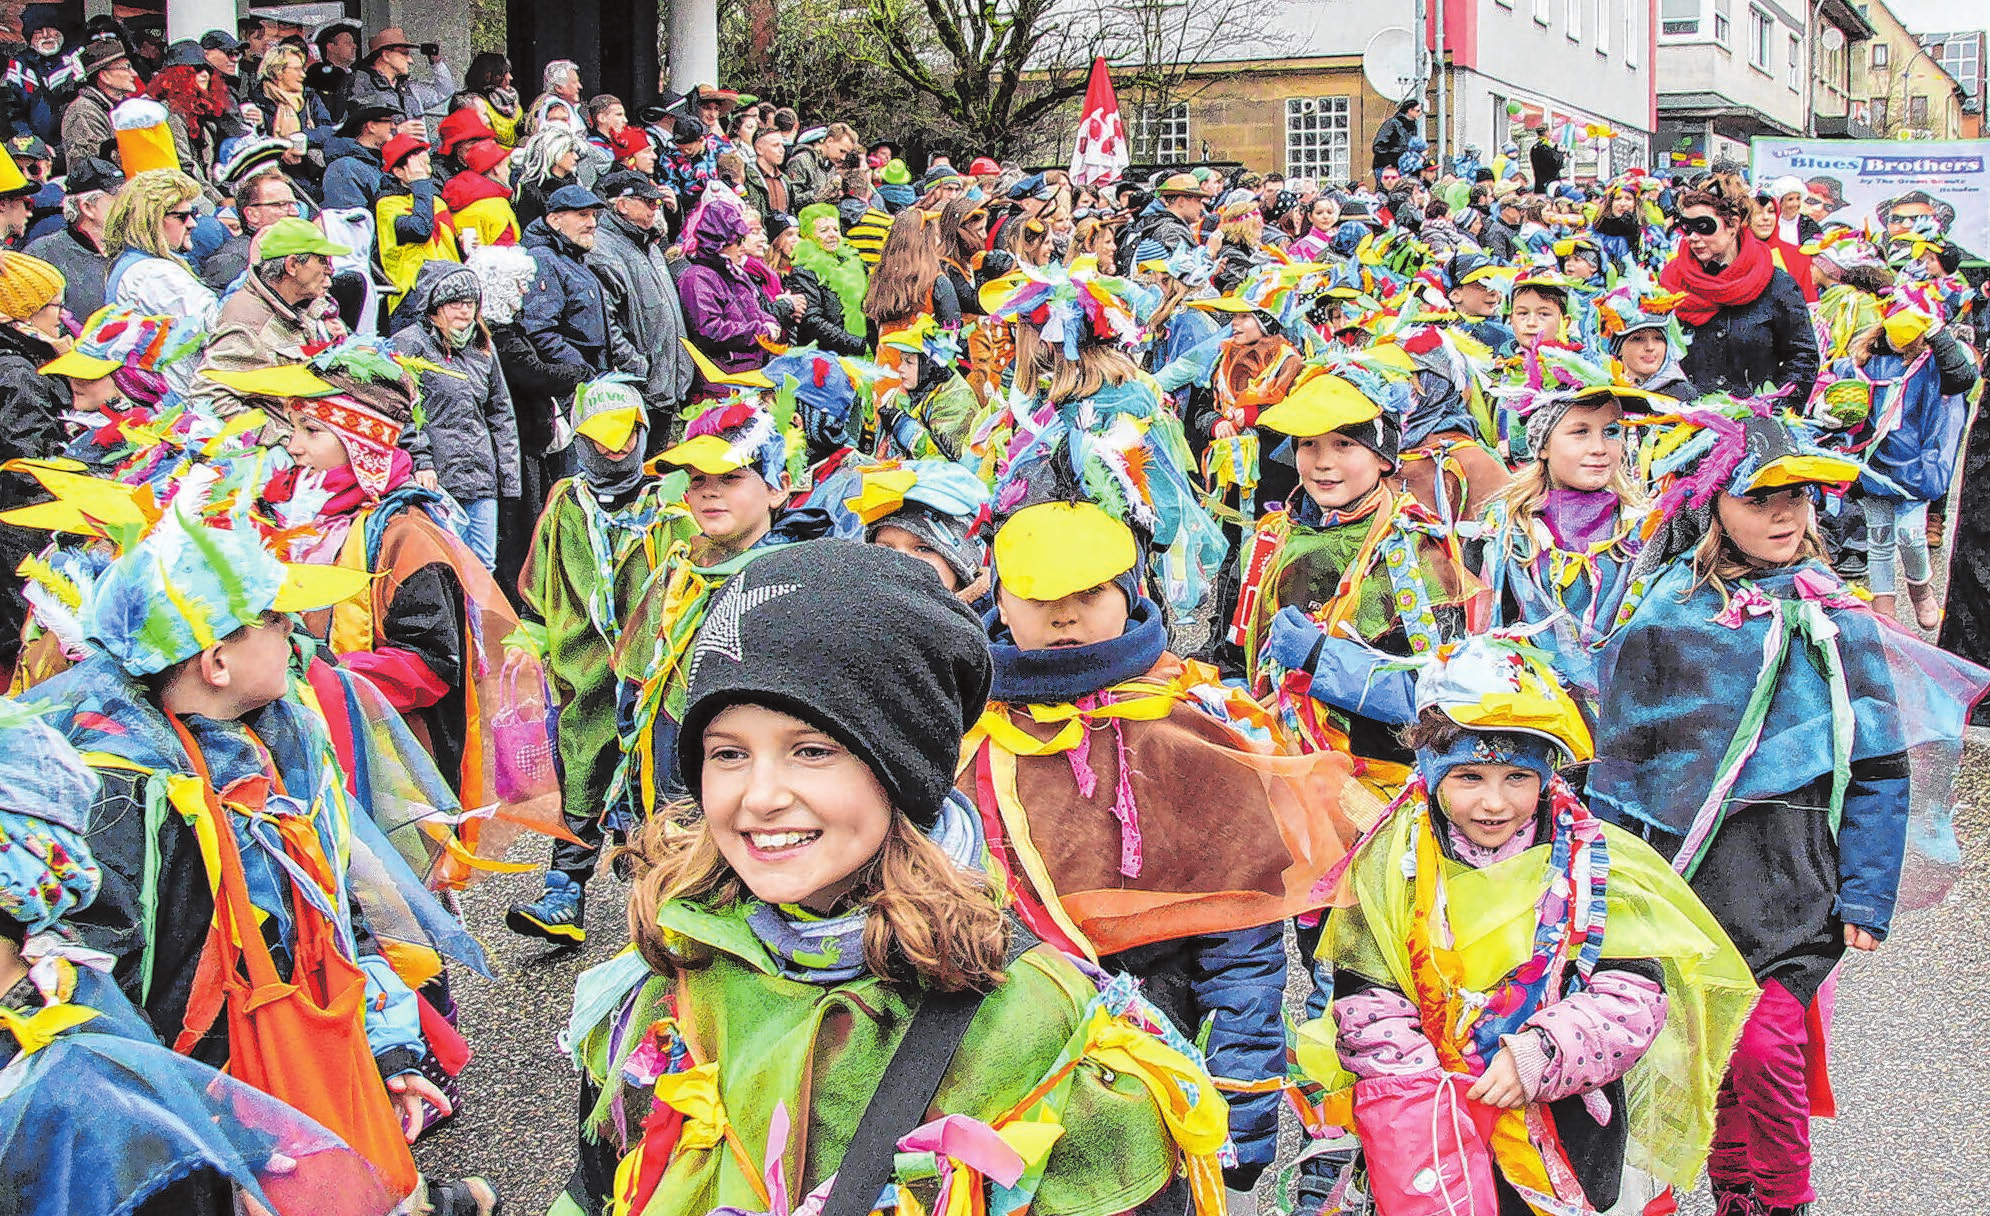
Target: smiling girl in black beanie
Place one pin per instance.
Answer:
(821, 978)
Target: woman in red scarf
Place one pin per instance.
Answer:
(1745, 317)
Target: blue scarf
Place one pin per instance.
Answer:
(1066, 673)
(829, 950)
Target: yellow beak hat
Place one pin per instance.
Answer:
(609, 410)
(1493, 684)
(1055, 549)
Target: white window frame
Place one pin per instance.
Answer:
(1603, 26)
(1572, 16)
(1761, 39)
(1796, 63)
(1541, 15)
(1162, 134)
(1321, 145)
(1882, 56)
(1723, 24)
(1634, 43)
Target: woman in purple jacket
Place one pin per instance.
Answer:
(724, 310)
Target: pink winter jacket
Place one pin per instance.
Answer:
(1597, 1034)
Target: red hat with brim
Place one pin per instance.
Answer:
(400, 148)
(482, 156)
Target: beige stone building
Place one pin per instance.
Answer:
(1908, 94)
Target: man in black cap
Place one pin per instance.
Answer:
(51, 69)
(109, 78)
(338, 50)
(693, 161)
(645, 318)
(77, 248)
(353, 168)
(565, 315)
(223, 52)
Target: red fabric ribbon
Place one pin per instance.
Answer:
(1739, 282)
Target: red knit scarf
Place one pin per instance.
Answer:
(1739, 282)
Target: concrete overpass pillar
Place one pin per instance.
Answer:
(694, 44)
(192, 18)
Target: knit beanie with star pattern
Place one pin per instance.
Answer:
(860, 641)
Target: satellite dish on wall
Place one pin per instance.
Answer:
(1390, 63)
(1833, 38)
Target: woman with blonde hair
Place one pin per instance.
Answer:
(542, 164)
(291, 110)
(821, 971)
(1238, 243)
(1095, 238)
(149, 228)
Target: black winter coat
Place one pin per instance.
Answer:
(31, 407)
(1768, 340)
(1392, 140)
(819, 322)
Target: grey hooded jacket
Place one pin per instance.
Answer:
(469, 429)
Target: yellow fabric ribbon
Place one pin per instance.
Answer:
(36, 1031)
(351, 628)
(1198, 1124)
(694, 1094)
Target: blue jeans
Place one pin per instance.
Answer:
(1897, 533)
(476, 527)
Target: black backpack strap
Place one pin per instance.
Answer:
(904, 1094)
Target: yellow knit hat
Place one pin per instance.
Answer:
(27, 285)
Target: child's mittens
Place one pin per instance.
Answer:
(1294, 640)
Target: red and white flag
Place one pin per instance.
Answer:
(1101, 152)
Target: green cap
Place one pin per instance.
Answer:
(293, 236)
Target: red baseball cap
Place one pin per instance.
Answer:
(982, 166)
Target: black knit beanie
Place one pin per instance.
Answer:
(860, 641)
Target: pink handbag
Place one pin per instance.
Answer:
(1426, 1146)
(522, 741)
